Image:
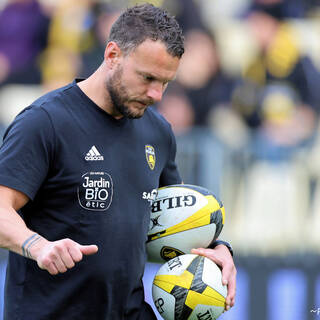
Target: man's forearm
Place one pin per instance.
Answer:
(14, 232)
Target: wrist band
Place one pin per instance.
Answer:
(213, 244)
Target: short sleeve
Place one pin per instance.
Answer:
(170, 174)
(26, 151)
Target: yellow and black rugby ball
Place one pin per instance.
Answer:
(189, 287)
(183, 217)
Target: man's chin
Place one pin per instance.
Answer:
(134, 116)
(131, 113)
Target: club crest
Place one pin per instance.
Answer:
(151, 156)
(168, 253)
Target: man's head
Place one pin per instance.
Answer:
(142, 54)
(143, 22)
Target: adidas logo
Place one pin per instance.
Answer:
(94, 155)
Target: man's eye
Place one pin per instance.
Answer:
(148, 78)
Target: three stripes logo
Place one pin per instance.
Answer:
(94, 155)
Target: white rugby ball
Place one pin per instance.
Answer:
(189, 287)
(183, 217)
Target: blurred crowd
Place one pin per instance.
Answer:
(244, 107)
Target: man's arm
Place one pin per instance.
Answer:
(53, 256)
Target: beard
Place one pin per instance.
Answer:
(120, 97)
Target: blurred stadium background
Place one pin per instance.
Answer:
(245, 110)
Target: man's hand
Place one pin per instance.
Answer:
(222, 257)
(59, 256)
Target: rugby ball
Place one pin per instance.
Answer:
(189, 287)
(183, 217)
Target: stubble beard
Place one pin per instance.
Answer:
(119, 95)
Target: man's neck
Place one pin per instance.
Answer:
(94, 88)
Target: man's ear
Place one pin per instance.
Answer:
(112, 54)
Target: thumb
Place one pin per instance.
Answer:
(199, 251)
(90, 249)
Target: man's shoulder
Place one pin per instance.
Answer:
(40, 112)
(52, 97)
(50, 105)
(152, 115)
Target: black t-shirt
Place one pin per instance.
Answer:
(85, 174)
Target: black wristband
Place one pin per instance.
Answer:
(213, 244)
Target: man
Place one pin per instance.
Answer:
(74, 165)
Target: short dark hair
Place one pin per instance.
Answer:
(142, 22)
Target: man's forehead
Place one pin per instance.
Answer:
(159, 76)
(153, 46)
(152, 57)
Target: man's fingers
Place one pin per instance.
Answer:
(197, 251)
(87, 250)
(75, 253)
(226, 274)
(230, 299)
(57, 260)
(53, 263)
(66, 258)
(52, 269)
(48, 265)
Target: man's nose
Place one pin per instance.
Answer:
(155, 92)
